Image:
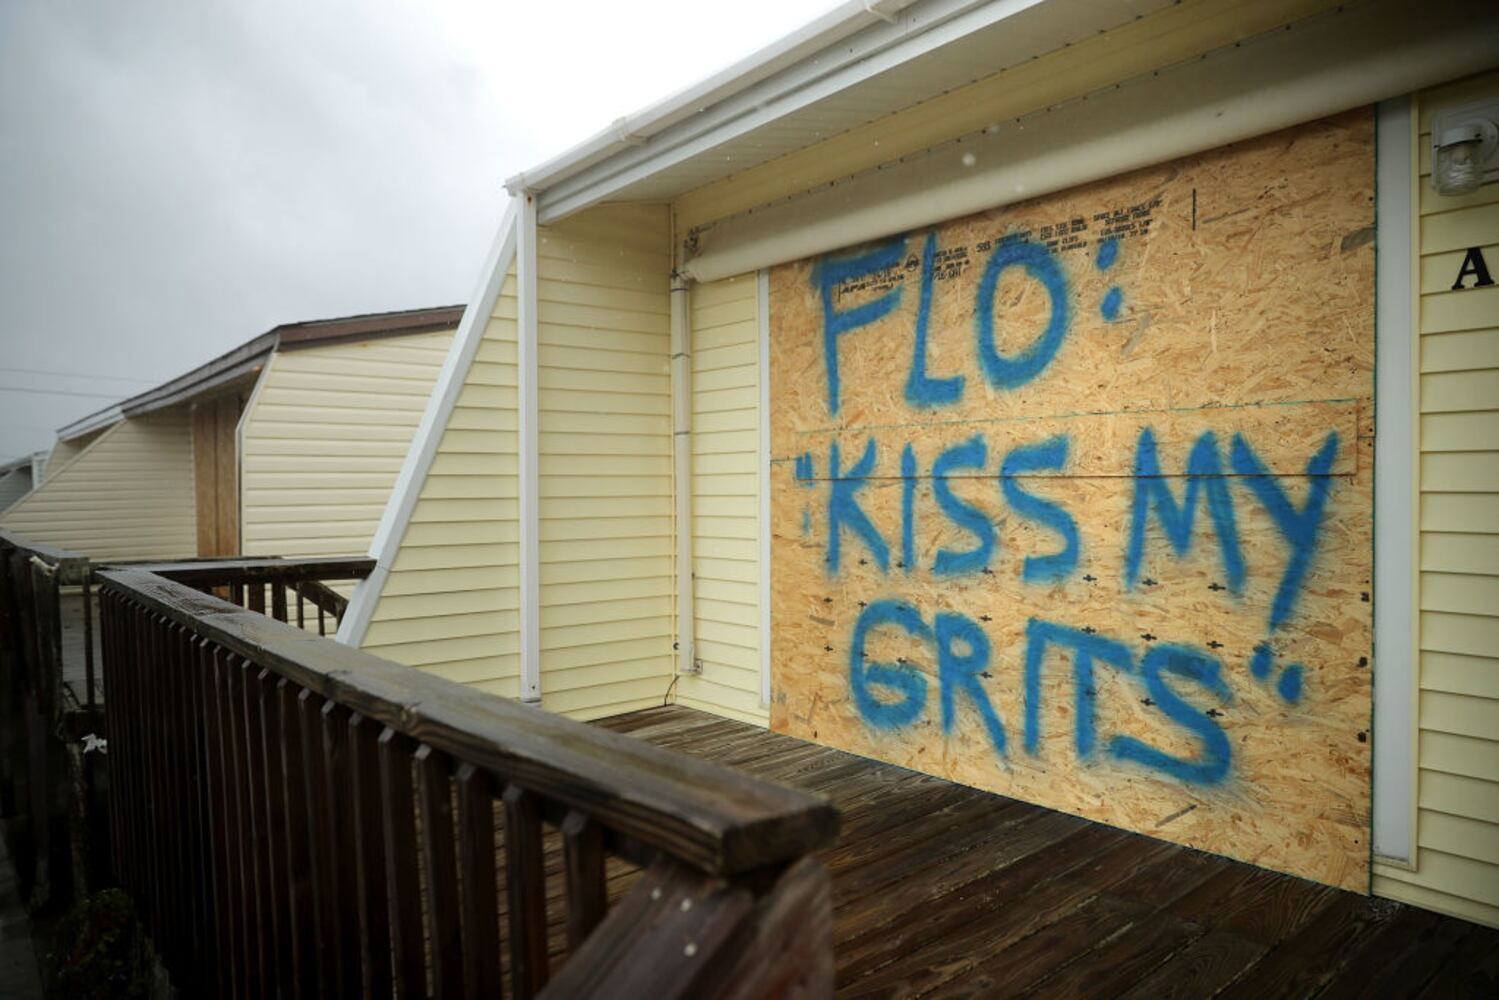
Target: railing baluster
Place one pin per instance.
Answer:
(256, 593)
(369, 850)
(226, 900)
(433, 774)
(477, 890)
(277, 845)
(587, 889)
(525, 883)
(200, 846)
(156, 803)
(398, 805)
(340, 835)
(319, 864)
(273, 826)
(303, 917)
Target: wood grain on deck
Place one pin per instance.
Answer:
(948, 891)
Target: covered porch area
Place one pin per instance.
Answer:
(940, 889)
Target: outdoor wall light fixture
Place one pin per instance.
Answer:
(1465, 147)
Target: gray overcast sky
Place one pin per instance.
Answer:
(176, 177)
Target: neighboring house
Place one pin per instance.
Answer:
(1062, 481)
(287, 445)
(18, 476)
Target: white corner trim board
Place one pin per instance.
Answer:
(762, 311)
(527, 447)
(1395, 371)
(419, 456)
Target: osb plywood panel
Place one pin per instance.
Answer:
(1072, 500)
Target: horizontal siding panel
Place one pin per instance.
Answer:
(1462, 472)
(1394, 883)
(1457, 552)
(1460, 715)
(1471, 635)
(1462, 593)
(1447, 392)
(1472, 675)
(1439, 270)
(1453, 753)
(1461, 512)
(1457, 230)
(1471, 431)
(1460, 796)
(599, 569)
(1463, 351)
(1459, 835)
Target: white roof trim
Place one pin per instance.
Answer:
(1329, 63)
(808, 67)
(90, 423)
(631, 130)
(403, 497)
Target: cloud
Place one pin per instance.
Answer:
(176, 177)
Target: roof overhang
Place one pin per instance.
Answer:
(858, 63)
(245, 360)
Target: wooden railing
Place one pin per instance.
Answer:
(288, 590)
(48, 699)
(297, 817)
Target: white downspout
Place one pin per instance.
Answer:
(527, 445)
(681, 439)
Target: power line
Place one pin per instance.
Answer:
(60, 392)
(43, 371)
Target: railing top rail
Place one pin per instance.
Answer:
(714, 818)
(71, 567)
(202, 572)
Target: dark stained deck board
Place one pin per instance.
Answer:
(942, 890)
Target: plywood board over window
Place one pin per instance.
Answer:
(1072, 499)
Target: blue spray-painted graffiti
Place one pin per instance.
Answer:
(921, 389)
(963, 653)
(1152, 491)
(971, 454)
(832, 273)
(1182, 684)
(1049, 454)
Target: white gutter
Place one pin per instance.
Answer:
(632, 130)
(408, 488)
(92, 422)
(1330, 63)
(527, 447)
(681, 450)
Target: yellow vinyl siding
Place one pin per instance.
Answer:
(14, 485)
(725, 500)
(127, 495)
(64, 452)
(605, 465)
(1457, 835)
(450, 602)
(324, 439)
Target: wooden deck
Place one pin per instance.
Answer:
(947, 891)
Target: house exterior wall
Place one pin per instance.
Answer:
(13, 486)
(322, 440)
(726, 500)
(605, 462)
(128, 495)
(64, 452)
(449, 604)
(1456, 866)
